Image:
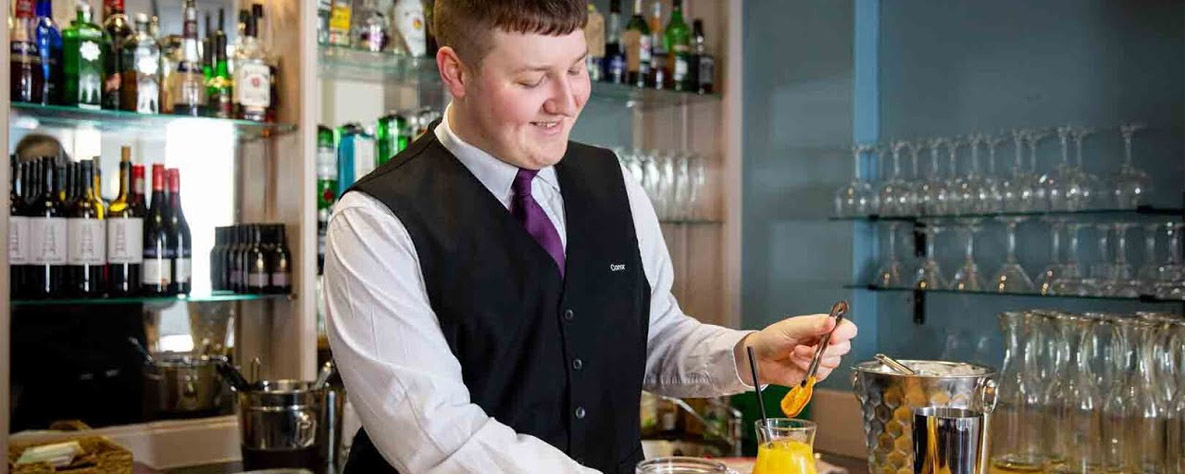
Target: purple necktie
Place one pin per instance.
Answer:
(524, 208)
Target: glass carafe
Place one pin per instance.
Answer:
(1175, 435)
(1077, 418)
(1118, 403)
(1015, 435)
(1146, 438)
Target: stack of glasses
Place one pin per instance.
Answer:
(674, 181)
(1068, 186)
(1090, 393)
(1160, 272)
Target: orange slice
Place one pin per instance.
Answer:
(796, 400)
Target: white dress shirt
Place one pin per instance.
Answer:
(405, 383)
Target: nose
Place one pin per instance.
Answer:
(563, 98)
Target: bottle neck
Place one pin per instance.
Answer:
(45, 8)
(125, 180)
(86, 191)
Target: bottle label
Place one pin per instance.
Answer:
(25, 52)
(253, 85)
(631, 40)
(257, 280)
(339, 23)
(594, 35)
(707, 70)
(409, 20)
(87, 242)
(157, 271)
(645, 48)
(681, 68)
(18, 240)
(280, 280)
(125, 240)
(182, 270)
(47, 241)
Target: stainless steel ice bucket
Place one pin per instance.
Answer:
(888, 401)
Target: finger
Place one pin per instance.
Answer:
(839, 349)
(830, 362)
(846, 331)
(822, 374)
(805, 328)
(804, 351)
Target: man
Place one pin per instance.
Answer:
(498, 297)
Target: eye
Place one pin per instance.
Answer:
(531, 83)
(575, 71)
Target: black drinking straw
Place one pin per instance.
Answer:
(757, 387)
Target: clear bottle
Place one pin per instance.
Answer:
(119, 29)
(188, 84)
(1078, 418)
(408, 18)
(1014, 435)
(372, 31)
(252, 81)
(1146, 440)
(84, 46)
(141, 76)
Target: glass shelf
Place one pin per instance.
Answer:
(153, 300)
(1141, 298)
(338, 62)
(1142, 211)
(33, 116)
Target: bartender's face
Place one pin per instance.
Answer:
(527, 96)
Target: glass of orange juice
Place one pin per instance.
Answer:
(785, 446)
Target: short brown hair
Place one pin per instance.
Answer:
(466, 25)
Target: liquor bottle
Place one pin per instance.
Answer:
(217, 275)
(659, 59)
(220, 86)
(47, 237)
(339, 23)
(125, 234)
(258, 275)
(279, 263)
(266, 40)
(26, 72)
(323, 9)
(252, 82)
(156, 273)
(118, 29)
(594, 36)
(18, 228)
(408, 17)
(234, 260)
(49, 46)
(326, 188)
(615, 62)
(373, 31)
(141, 75)
(84, 46)
(86, 237)
(208, 51)
(182, 241)
(677, 40)
(188, 87)
(704, 65)
(636, 41)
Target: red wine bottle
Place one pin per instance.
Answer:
(18, 228)
(86, 236)
(47, 236)
(280, 263)
(181, 242)
(125, 234)
(156, 272)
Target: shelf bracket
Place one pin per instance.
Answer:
(919, 307)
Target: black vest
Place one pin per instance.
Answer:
(558, 358)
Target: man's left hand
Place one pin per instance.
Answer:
(784, 349)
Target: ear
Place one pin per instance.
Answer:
(453, 72)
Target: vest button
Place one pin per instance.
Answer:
(569, 315)
(577, 364)
(580, 413)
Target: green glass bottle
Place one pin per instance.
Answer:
(326, 187)
(220, 86)
(638, 50)
(83, 46)
(677, 40)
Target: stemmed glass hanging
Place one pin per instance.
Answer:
(928, 275)
(935, 195)
(856, 198)
(1069, 280)
(1012, 277)
(968, 278)
(889, 275)
(894, 193)
(1054, 271)
(1121, 283)
(1103, 270)
(1039, 183)
(1150, 270)
(1131, 184)
(958, 196)
(993, 201)
(1086, 183)
(1057, 189)
(917, 188)
(1017, 193)
(1171, 284)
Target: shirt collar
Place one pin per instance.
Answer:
(496, 175)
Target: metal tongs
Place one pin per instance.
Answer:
(838, 311)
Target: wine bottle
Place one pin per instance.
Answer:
(280, 263)
(119, 29)
(18, 228)
(70, 190)
(258, 273)
(86, 237)
(217, 275)
(47, 236)
(125, 234)
(139, 198)
(181, 240)
(157, 270)
(233, 263)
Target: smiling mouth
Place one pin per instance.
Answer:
(546, 125)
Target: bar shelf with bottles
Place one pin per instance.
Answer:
(645, 64)
(67, 245)
(116, 77)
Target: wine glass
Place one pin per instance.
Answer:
(1150, 269)
(1101, 271)
(968, 278)
(1056, 190)
(856, 198)
(1121, 283)
(889, 275)
(1053, 272)
(1172, 278)
(955, 184)
(1012, 277)
(699, 180)
(1131, 184)
(994, 201)
(1039, 183)
(917, 187)
(1018, 195)
(928, 275)
(1069, 280)
(1088, 183)
(894, 193)
(935, 195)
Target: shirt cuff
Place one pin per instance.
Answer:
(725, 372)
